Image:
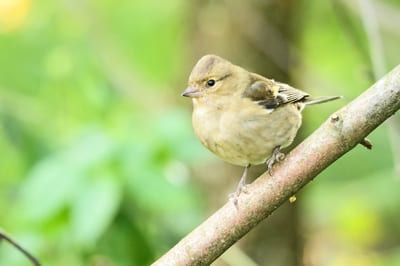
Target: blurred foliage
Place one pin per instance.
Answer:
(96, 143)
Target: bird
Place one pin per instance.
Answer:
(243, 117)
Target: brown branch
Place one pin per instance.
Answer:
(338, 135)
(20, 248)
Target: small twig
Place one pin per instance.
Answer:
(20, 248)
(366, 143)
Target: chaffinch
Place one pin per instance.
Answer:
(242, 117)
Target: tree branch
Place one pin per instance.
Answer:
(20, 248)
(338, 135)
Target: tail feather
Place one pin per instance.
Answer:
(321, 100)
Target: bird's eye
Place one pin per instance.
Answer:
(211, 82)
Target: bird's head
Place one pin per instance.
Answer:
(212, 75)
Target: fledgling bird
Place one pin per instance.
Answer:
(242, 117)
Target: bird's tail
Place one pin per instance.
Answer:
(321, 100)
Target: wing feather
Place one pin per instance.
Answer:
(272, 94)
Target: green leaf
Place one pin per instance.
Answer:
(94, 209)
(52, 183)
(49, 187)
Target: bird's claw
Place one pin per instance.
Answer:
(276, 157)
(242, 187)
(234, 197)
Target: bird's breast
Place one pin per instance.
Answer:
(206, 124)
(244, 133)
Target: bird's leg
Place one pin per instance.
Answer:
(276, 156)
(241, 187)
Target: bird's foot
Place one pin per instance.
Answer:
(234, 197)
(276, 157)
(242, 187)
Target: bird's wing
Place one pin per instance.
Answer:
(272, 94)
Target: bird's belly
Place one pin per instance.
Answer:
(241, 151)
(248, 138)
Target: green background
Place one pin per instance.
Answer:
(98, 161)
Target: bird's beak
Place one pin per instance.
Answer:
(192, 92)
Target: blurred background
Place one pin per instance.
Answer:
(99, 164)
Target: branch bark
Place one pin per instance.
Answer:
(338, 135)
